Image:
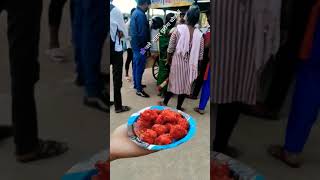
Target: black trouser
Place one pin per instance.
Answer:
(23, 35)
(55, 12)
(117, 66)
(284, 70)
(129, 60)
(199, 81)
(181, 98)
(227, 116)
(287, 56)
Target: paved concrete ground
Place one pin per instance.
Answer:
(61, 113)
(252, 136)
(189, 161)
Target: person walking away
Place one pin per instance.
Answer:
(55, 15)
(89, 33)
(117, 31)
(23, 35)
(205, 92)
(198, 83)
(306, 99)
(140, 37)
(186, 48)
(164, 39)
(294, 22)
(237, 61)
(129, 49)
(181, 19)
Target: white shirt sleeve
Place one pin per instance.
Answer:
(118, 18)
(117, 23)
(267, 15)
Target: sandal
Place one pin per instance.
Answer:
(128, 78)
(161, 103)
(56, 55)
(98, 103)
(198, 110)
(291, 159)
(123, 109)
(192, 97)
(45, 150)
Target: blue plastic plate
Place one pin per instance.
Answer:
(134, 117)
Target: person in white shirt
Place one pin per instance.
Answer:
(129, 49)
(157, 24)
(117, 31)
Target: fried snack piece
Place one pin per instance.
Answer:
(143, 124)
(177, 132)
(183, 122)
(160, 120)
(163, 139)
(148, 136)
(169, 116)
(149, 115)
(160, 129)
(168, 125)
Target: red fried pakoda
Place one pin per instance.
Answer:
(163, 139)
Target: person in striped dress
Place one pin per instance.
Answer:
(185, 49)
(234, 66)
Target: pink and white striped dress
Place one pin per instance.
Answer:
(179, 77)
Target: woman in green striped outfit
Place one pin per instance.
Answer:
(164, 39)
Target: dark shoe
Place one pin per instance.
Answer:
(111, 103)
(46, 149)
(192, 97)
(161, 103)
(181, 109)
(123, 109)
(143, 86)
(196, 109)
(99, 103)
(260, 111)
(291, 159)
(5, 132)
(143, 94)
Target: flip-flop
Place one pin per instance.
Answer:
(161, 103)
(278, 152)
(198, 110)
(123, 109)
(128, 78)
(46, 149)
(56, 55)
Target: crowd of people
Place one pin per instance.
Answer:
(175, 42)
(89, 31)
